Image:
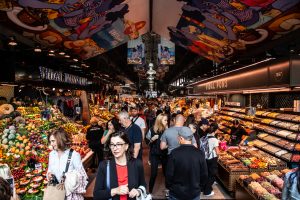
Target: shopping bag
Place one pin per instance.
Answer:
(56, 192)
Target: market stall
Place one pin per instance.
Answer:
(24, 147)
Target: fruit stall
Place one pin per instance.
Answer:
(24, 147)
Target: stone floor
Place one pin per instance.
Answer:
(159, 188)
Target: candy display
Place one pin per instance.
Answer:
(266, 185)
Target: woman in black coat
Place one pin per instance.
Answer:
(126, 174)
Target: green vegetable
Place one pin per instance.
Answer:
(11, 136)
(4, 141)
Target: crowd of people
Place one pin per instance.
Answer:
(185, 145)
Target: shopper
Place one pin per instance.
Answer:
(237, 133)
(210, 145)
(169, 139)
(5, 190)
(150, 114)
(194, 130)
(156, 154)
(187, 169)
(291, 190)
(133, 132)
(203, 126)
(60, 142)
(135, 118)
(93, 137)
(126, 174)
(112, 126)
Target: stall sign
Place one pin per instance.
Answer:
(51, 75)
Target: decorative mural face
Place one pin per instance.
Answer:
(88, 27)
(217, 29)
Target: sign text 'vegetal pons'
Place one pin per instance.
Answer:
(51, 75)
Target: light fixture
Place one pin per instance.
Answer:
(12, 41)
(53, 89)
(67, 56)
(61, 53)
(51, 51)
(37, 49)
(150, 77)
(267, 90)
(51, 54)
(76, 60)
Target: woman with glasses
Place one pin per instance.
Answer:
(120, 176)
(156, 154)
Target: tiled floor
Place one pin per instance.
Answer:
(159, 188)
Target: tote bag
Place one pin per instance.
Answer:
(57, 192)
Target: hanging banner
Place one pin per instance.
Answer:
(166, 52)
(135, 51)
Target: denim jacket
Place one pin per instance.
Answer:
(290, 192)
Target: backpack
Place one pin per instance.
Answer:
(204, 145)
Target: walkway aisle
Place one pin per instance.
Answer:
(159, 188)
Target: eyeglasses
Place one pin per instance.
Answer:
(118, 146)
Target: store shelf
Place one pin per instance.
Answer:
(275, 135)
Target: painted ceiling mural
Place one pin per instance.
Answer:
(214, 29)
(218, 29)
(86, 27)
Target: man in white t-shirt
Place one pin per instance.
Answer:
(134, 113)
(211, 156)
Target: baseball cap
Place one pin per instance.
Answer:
(186, 133)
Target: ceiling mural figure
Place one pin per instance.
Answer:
(216, 29)
(81, 19)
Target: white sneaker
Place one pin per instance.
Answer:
(211, 194)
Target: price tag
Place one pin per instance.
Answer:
(38, 166)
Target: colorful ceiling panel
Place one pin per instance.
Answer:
(86, 27)
(219, 29)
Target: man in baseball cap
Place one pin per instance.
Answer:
(190, 160)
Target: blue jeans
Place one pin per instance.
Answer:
(172, 197)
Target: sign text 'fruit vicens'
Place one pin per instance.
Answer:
(49, 74)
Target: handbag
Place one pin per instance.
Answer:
(58, 191)
(144, 195)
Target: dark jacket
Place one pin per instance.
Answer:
(155, 145)
(135, 179)
(93, 136)
(187, 172)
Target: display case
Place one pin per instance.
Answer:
(278, 134)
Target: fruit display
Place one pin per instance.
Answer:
(100, 112)
(29, 110)
(72, 128)
(24, 147)
(266, 185)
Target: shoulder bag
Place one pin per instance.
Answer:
(58, 191)
(107, 176)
